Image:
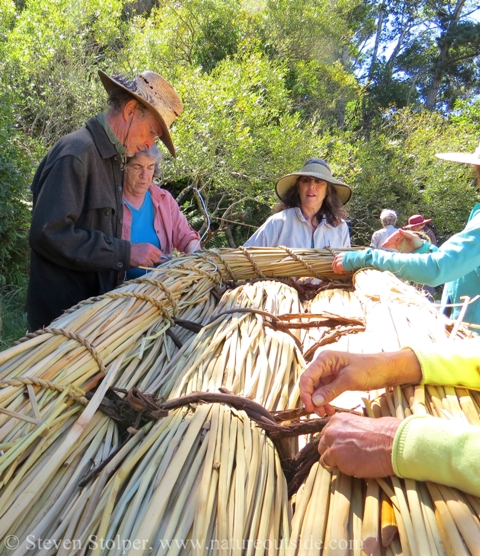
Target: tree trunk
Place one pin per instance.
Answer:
(396, 51)
(138, 8)
(381, 16)
(231, 241)
(342, 101)
(445, 43)
(366, 113)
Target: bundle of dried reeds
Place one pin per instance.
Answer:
(211, 457)
(394, 516)
(206, 474)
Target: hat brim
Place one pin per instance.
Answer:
(111, 84)
(464, 158)
(409, 226)
(288, 181)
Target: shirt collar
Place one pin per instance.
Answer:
(299, 214)
(102, 120)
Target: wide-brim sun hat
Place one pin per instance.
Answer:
(464, 158)
(316, 168)
(416, 220)
(155, 93)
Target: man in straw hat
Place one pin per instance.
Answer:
(76, 230)
(456, 263)
(310, 213)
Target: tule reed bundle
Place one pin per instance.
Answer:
(206, 473)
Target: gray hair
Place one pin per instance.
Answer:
(155, 153)
(388, 217)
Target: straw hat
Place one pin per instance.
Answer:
(317, 168)
(416, 220)
(155, 93)
(466, 158)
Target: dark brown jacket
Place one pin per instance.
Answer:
(76, 224)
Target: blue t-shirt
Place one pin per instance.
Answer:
(143, 230)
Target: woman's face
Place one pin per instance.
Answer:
(312, 192)
(139, 174)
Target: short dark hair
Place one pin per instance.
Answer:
(332, 207)
(118, 97)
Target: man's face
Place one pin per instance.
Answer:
(142, 131)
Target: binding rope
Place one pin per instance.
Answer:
(71, 336)
(163, 287)
(74, 392)
(213, 276)
(223, 262)
(158, 304)
(251, 260)
(301, 260)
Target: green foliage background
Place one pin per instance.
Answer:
(266, 85)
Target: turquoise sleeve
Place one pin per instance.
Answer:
(455, 258)
(453, 446)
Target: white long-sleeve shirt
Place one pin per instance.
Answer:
(382, 235)
(291, 229)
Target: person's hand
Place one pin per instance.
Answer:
(144, 254)
(333, 372)
(404, 241)
(359, 446)
(337, 265)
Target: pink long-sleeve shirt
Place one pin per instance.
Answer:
(171, 226)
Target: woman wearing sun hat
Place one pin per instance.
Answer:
(456, 263)
(311, 211)
(417, 223)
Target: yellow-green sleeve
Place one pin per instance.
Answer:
(451, 363)
(431, 449)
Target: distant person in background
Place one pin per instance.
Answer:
(311, 211)
(150, 214)
(388, 218)
(417, 223)
(456, 263)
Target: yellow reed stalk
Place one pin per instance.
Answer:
(240, 484)
(474, 502)
(451, 538)
(414, 503)
(371, 518)
(314, 525)
(355, 518)
(466, 523)
(339, 510)
(456, 410)
(303, 497)
(406, 518)
(468, 406)
(389, 528)
(434, 538)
